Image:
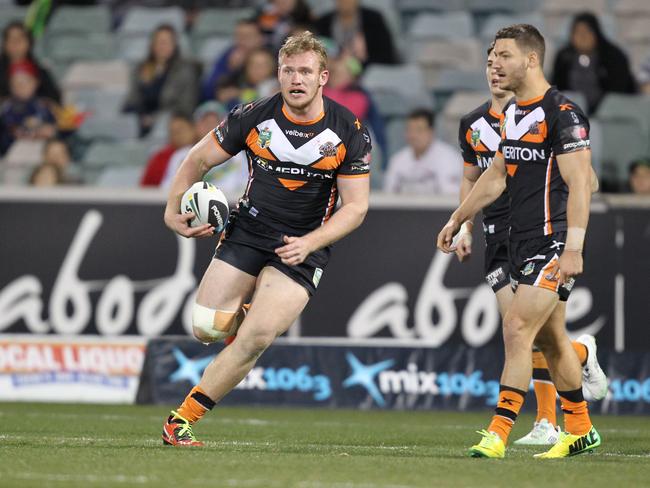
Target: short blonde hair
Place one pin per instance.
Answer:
(302, 43)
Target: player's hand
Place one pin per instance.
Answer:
(180, 223)
(464, 246)
(446, 236)
(295, 250)
(570, 265)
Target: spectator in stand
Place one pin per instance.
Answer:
(426, 165)
(46, 174)
(232, 175)
(24, 115)
(164, 81)
(258, 80)
(360, 32)
(591, 64)
(17, 47)
(57, 153)
(639, 177)
(181, 138)
(278, 18)
(248, 37)
(343, 87)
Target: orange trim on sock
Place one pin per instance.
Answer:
(576, 417)
(539, 361)
(190, 409)
(581, 351)
(545, 394)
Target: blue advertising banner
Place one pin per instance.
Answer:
(453, 377)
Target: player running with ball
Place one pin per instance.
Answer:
(303, 151)
(479, 137)
(545, 162)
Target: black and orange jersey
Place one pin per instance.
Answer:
(293, 165)
(479, 137)
(533, 133)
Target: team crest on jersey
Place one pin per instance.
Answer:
(327, 150)
(264, 138)
(528, 269)
(533, 129)
(476, 137)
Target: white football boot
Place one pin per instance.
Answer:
(543, 434)
(594, 381)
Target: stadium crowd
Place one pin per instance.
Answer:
(114, 93)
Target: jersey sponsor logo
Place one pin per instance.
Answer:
(264, 138)
(328, 149)
(524, 153)
(496, 276)
(218, 131)
(570, 146)
(476, 137)
(298, 133)
(516, 130)
(318, 272)
(359, 167)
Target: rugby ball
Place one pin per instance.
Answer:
(208, 203)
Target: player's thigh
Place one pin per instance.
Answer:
(224, 287)
(277, 302)
(531, 306)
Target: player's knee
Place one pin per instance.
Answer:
(255, 342)
(514, 329)
(210, 325)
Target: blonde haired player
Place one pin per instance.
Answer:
(304, 151)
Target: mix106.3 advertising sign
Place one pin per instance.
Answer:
(113, 269)
(455, 377)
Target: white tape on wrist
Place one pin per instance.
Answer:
(575, 238)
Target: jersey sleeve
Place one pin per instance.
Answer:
(466, 150)
(571, 130)
(231, 132)
(357, 155)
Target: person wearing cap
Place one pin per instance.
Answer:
(24, 115)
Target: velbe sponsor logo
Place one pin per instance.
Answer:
(298, 133)
(523, 153)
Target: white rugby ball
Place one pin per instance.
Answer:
(208, 203)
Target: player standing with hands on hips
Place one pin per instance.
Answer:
(303, 151)
(544, 159)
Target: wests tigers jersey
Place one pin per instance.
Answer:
(534, 133)
(293, 165)
(479, 137)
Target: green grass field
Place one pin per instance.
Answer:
(78, 445)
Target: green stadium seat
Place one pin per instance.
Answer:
(134, 48)
(121, 127)
(435, 55)
(448, 25)
(144, 20)
(417, 6)
(103, 154)
(214, 22)
(72, 48)
(77, 20)
(395, 129)
(495, 22)
(120, 177)
(396, 90)
(211, 49)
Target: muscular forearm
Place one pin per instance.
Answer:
(578, 212)
(465, 189)
(345, 220)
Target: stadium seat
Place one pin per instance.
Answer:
(451, 80)
(625, 132)
(632, 7)
(635, 27)
(396, 90)
(556, 12)
(118, 127)
(449, 25)
(492, 6)
(395, 135)
(212, 22)
(20, 160)
(120, 177)
(435, 55)
(211, 49)
(143, 20)
(560, 32)
(71, 48)
(416, 6)
(458, 105)
(130, 153)
(495, 22)
(78, 20)
(110, 75)
(159, 133)
(95, 100)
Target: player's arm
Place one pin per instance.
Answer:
(205, 154)
(354, 194)
(575, 168)
(595, 184)
(471, 174)
(487, 189)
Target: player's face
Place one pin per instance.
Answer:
(510, 64)
(301, 79)
(493, 78)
